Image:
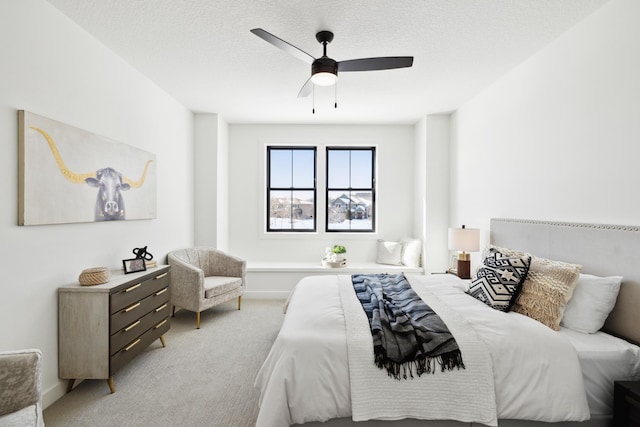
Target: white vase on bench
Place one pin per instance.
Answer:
(333, 260)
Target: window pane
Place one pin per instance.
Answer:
(291, 210)
(280, 172)
(361, 172)
(338, 169)
(279, 210)
(350, 210)
(303, 168)
(302, 210)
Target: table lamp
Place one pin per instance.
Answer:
(464, 240)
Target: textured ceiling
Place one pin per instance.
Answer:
(202, 53)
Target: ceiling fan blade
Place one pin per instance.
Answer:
(279, 43)
(370, 64)
(306, 89)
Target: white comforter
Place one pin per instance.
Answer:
(306, 375)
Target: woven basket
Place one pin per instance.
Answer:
(94, 276)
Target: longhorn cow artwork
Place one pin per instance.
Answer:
(46, 199)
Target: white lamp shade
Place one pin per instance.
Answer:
(464, 239)
(324, 79)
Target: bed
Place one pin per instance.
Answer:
(309, 376)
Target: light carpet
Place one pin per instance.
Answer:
(203, 377)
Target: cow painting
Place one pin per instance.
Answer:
(109, 182)
(110, 204)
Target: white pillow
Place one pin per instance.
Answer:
(592, 301)
(389, 252)
(411, 251)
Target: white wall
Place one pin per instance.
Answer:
(222, 191)
(395, 197)
(53, 68)
(211, 168)
(558, 138)
(431, 194)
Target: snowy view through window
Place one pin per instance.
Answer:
(345, 212)
(292, 193)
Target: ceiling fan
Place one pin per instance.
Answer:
(324, 70)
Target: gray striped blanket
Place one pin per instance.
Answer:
(408, 336)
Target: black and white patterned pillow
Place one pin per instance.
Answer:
(498, 281)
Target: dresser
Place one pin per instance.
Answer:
(626, 403)
(103, 327)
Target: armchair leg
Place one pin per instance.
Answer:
(239, 301)
(173, 311)
(198, 320)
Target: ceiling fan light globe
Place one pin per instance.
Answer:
(324, 79)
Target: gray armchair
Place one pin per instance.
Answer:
(205, 277)
(20, 388)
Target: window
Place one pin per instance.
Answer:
(291, 189)
(350, 189)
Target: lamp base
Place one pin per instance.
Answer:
(464, 269)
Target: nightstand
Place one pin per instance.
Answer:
(626, 403)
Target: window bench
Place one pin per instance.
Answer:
(275, 280)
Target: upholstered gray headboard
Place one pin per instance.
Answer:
(603, 250)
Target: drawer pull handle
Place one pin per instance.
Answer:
(161, 308)
(160, 276)
(128, 309)
(161, 292)
(130, 346)
(160, 324)
(131, 326)
(133, 287)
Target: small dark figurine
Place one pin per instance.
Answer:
(142, 253)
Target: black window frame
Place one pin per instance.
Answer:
(351, 190)
(269, 189)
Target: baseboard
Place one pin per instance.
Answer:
(56, 392)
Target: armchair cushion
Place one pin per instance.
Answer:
(218, 285)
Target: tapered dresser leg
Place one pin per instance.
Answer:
(70, 385)
(112, 386)
(239, 301)
(198, 320)
(164, 344)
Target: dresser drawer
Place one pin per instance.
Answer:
(137, 310)
(125, 336)
(136, 346)
(633, 413)
(135, 291)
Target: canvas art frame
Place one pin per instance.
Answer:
(69, 175)
(134, 265)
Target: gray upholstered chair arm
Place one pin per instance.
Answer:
(186, 274)
(227, 265)
(187, 284)
(20, 383)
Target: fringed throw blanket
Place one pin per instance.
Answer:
(408, 336)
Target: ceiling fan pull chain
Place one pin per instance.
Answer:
(335, 96)
(313, 109)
